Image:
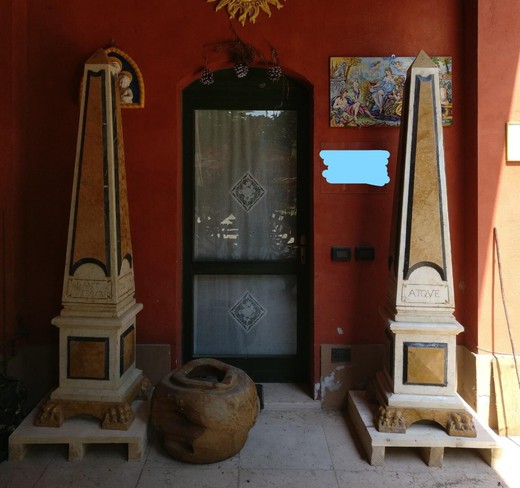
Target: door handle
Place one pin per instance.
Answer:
(303, 249)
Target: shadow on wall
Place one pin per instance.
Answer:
(36, 366)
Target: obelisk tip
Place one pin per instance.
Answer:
(423, 61)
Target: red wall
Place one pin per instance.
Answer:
(498, 76)
(12, 127)
(166, 39)
(6, 156)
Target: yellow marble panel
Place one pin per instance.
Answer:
(128, 350)
(425, 233)
(425, 365)
(87, 359)
(124, 219)
(89, 225)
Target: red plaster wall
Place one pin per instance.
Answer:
(469, 162)
(498, 181)
(6, 156)
(12, 60)
(166, 39)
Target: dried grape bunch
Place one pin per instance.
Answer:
(274, 73)
(207, 77)
(241, 70)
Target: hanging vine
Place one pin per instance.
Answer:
(242, 55)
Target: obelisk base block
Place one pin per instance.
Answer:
(421, 357)
(117, 415)
(98, 376)
(398, 411)
(419, 379)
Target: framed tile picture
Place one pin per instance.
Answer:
(368, 91)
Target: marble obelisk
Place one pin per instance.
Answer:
(97, 325)
(419, 379)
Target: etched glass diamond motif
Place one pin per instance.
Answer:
(247, 312)
(247, 192)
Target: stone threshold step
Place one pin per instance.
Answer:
(288, 396)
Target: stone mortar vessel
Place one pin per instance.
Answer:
(204, 410)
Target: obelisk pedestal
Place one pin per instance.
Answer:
(420, 381)
(419, 378)
(97, 325)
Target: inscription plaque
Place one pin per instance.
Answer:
(89, 289)
(413, 293)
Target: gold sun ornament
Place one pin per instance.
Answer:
(246, 9)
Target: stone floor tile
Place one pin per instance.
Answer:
(43, 454)
(79, 475)
(159, 477)
(19, 474)
(345, 448)
(460, 478)
(290, 440)
(287, 478)
(508, 464)
(280, 396)
(385, 478)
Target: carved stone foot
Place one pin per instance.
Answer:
(117, 415)
(146, 390)
(51, 415)
(390, 420)
(461, 425)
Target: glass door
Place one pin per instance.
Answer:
(245, 248)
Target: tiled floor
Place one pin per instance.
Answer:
(293, 444)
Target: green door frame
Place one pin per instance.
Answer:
(253, 92)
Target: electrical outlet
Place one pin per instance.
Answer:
(340, 355)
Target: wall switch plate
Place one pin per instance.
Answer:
(341, 253)
(365, 253)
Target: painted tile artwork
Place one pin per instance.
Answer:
(369, 91)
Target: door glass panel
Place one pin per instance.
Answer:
(244, 315)
(245, 185)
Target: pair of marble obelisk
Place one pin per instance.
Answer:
(419, 378)
(97, 325)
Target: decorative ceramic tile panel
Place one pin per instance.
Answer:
(247, 192)
(247, 312)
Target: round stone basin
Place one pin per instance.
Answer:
(204, 410)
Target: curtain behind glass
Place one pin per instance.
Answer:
(245, 210)
(244, 315)
(245, 185)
